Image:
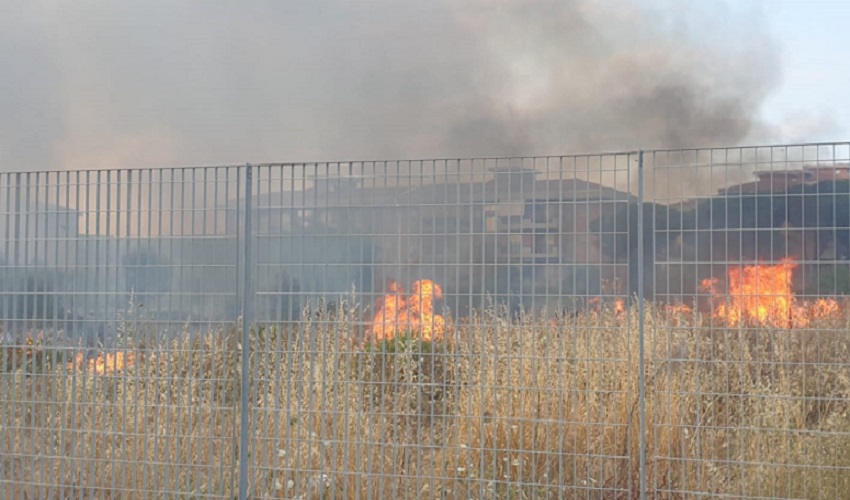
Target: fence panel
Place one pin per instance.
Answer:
(748, 374)
(448, 328)
(119, 369)
(438, 328)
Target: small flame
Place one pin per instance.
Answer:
(596, 305)
(822, 309)
(825, 308)
(709, 285)
(619, 306)
(414, 313)
(678, 309)
(104, 363)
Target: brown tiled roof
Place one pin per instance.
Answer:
(460, 193)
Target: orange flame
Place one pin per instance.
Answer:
(595, 305)
(415, 313)
(678, 314)
(678, 309)
(762, 294)
(619, 306)
(825, 308)
(709, 285)
(104, 363)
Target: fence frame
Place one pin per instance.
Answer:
(247, 320)
(246, 246)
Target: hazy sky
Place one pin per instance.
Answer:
(813, 38)
(159, 83)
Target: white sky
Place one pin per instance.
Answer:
(814, 40)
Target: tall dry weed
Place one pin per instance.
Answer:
(522, 409)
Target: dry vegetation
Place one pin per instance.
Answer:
(502, 409)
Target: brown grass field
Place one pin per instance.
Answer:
(500, 409)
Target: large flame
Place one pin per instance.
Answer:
(104, 363)
(414, 313)
(762, 294)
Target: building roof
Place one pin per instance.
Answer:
(778, 181)
(490, 191)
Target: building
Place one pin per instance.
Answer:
(511, 233)
(779, 181)
(40, 234)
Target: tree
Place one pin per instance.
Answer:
(619, 241)
(823, 209)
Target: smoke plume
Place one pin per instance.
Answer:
(154, 83)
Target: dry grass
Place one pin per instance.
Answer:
(526, 409)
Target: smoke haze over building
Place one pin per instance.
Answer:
(135, 84)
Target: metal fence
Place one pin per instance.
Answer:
(662, 324)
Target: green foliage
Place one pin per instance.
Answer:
(618, 236)
(833, 280)
(270, 333)
(407, 342)
(413, 376)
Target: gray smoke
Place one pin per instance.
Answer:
(156, 83)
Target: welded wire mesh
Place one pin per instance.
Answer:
(119, 373)
(748, 376)
(467, 328)
(433, 329)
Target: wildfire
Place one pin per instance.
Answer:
(109, 362)
(762, 294)
(596, 305)
(414, 313)
(619, 306)
(678, 309)
(825, 308)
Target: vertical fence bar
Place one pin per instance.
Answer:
(18, 262)
(641, 336)
(247, 319)
(737, 406)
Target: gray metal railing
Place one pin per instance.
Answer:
(641, 324)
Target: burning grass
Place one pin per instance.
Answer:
(400, 314)
(497, 408)
(762, 294)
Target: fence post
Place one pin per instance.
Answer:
(641, 336)
(247, 320)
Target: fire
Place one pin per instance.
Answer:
(619, 306)
(825, 308)
(596, 305)
(678, 309)
(709, 285)
(414, 313)
(109, 362)
(678, 314)
(762, 294)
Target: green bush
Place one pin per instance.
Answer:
(406, 342)
(832, 279)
